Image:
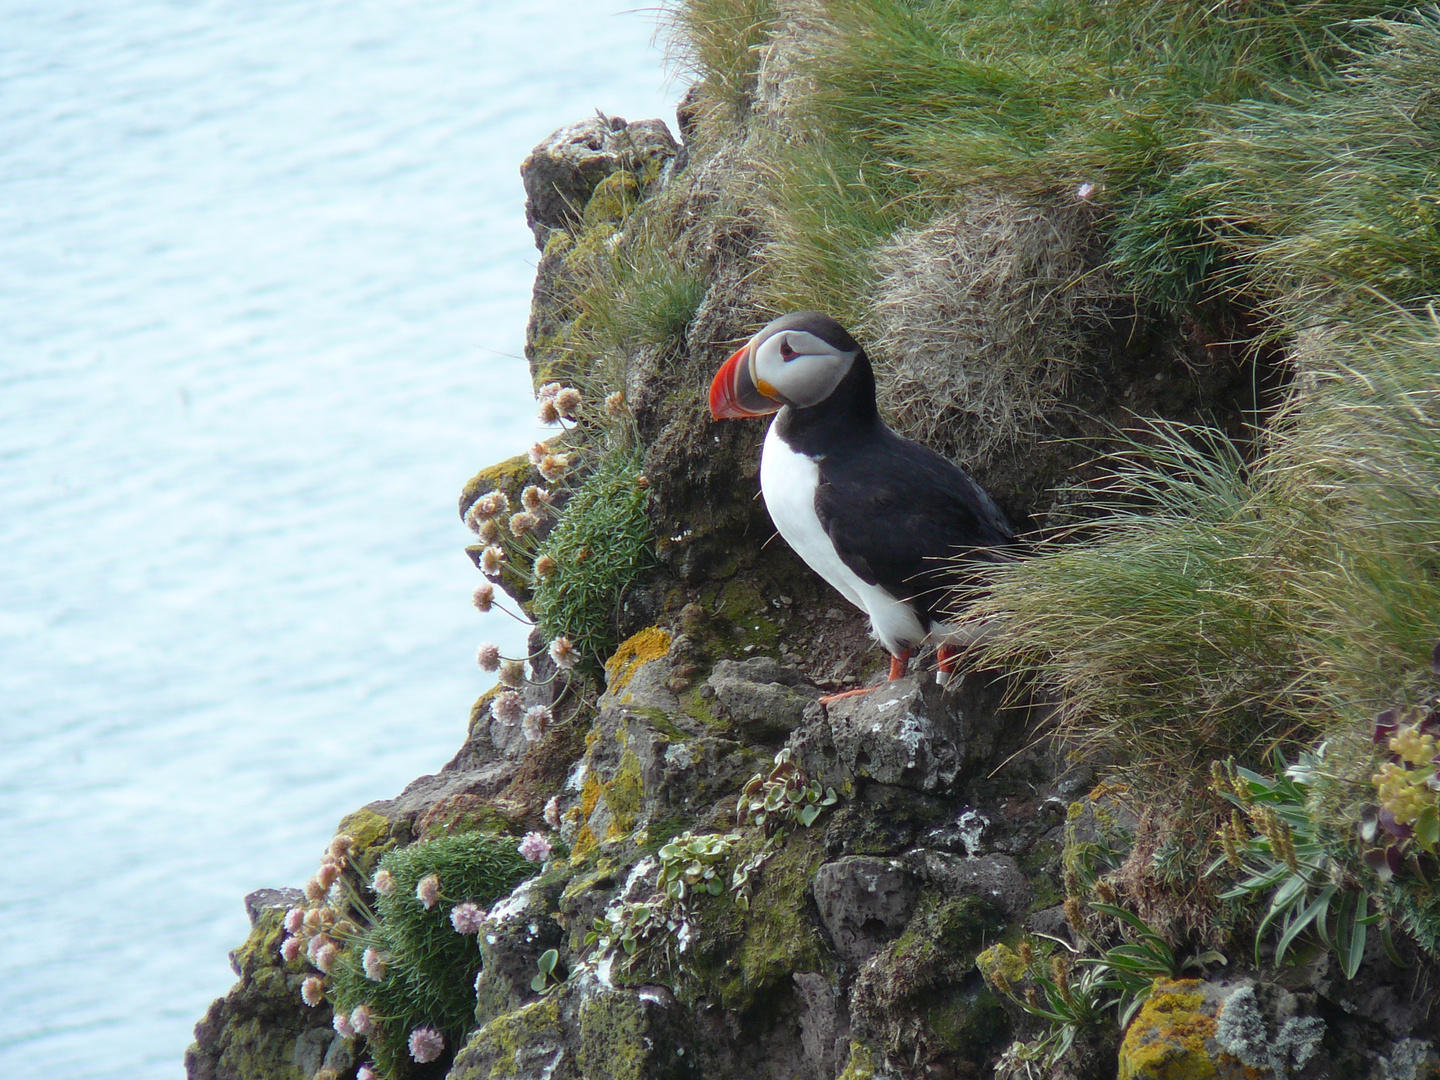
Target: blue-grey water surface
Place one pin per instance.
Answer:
(263, 280)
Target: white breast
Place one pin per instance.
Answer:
(788, 481)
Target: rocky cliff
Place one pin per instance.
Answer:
(718, 874)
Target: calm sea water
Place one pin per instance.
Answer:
(263, 282)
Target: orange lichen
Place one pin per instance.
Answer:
(1166, 1041)
(635, 652)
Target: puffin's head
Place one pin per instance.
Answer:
(797, 360)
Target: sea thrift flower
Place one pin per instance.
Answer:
(547, 413)
(492, 504)
(294, 919)
(342, 1025)
(326, 956)
(553, 466)
(512, 674)
(428, 891)
(318, 942)
(567, 401)
(538, 452)
(507, 707)
(563, 652)
(534, 848)
(374, 964)
(534, 498)
(314, 891)
(488, 657)
(466, 918)
(311, 922)
(1084, 192)
(362, 1020)
(552, 812)
(615, 403)
(328, 874)
(312, 991)
(426, 1044)
(545, 566)
(473, 520)
(489, 531)
(523, 522)
(548, 391)
(342, 845)
(484, 598)
(290, 948)
(537, 719)
(384, 883)
(490, 560)
(367, 1073)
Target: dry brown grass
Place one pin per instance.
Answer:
(987, 310)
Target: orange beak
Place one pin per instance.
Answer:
(734, 395)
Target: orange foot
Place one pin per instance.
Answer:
(946, 655)
(898, 664)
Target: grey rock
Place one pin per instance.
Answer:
(516, 931)
(997, 878)
(763, 700)
(864, 902)
(561, 173)
(824, 1024)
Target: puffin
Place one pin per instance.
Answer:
(880, 517)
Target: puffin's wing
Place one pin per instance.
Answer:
(899, 516)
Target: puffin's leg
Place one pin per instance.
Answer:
(898, 664)
(945, 654)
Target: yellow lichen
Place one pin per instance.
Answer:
(590, 793)
(635, 652)
(1166, 1041)
(585, 843)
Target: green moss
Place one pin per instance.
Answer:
(625, 793)
(618, 1042)
(371, 833)
(741, 956)
(509, 476)
(861, 1065)
(613, 199)
(494, 1052)
(661, 722)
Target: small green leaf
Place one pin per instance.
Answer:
(808, 815)
(537, 983)
(1427, 829)
(548, 959)
(716, 887)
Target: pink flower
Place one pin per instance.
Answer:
(547, 413)
(290, 948)
(512, 674)
(362, 1020)
(567, 401)
(545, 565)
(488, 657)
(552, 812)
(312, 991)
(484, 598)
(554, 466)
(615, 403)
(537, 719)
(328, 874)
(534, 847)
(466, 918)
(534, 498)
(538, 452)
(374, 964)
(325, 957)
(294, 919)
(563, 652)
(508, 707)
(384, 883)
(548, 391)
(314, 891)
(367, 1073)
(492, 504)
(342, 1026)
(318, 942)
(341, 846)
(490, 560)
(428, 891)
(523, 522)
(426, 1044)
(312, 920)
(489, 531)
(1085, 192)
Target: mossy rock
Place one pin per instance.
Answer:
(624, 1036)
(519, 1043)
(1166, 1041)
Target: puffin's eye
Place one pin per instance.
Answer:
(786, 353)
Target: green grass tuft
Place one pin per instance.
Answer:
(602, 541)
